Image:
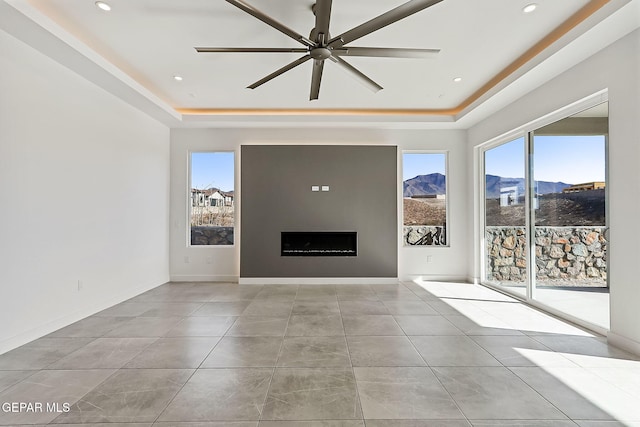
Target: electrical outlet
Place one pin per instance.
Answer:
(187, 260)
(209, 260)
(429, 258)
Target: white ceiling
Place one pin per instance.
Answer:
(150, 41)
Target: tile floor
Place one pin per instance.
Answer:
(407, 355)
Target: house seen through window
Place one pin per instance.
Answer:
(212, 201)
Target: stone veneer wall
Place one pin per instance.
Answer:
(424, 235)
(565, 256)
(211, 235)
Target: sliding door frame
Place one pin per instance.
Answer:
(527, 131)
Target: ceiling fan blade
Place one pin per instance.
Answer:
(241, 4)
(385, 52)
(316, 78)
(381, 21)
(322, 11)
(280, 71)
(251, 50)
(356, 73)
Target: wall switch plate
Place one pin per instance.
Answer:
(315, 188)
(325, 188)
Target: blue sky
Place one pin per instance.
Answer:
(212, 170)
(414, 164)
(569, 159)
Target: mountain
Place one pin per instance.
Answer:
(435, 183)
(495, 183)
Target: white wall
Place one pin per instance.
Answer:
(84, 187)
(617, 69)
(222, 263)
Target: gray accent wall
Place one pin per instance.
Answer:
(276, 196)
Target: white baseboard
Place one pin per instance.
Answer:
(86, 311)
(205, 278)
(435, 278)
(623, 342)
(318, 281)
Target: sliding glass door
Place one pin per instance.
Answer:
(505, 216)
(569, 219)
(545, 223)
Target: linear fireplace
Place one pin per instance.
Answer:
(319, 243)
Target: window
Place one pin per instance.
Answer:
(212, 199)
(424, 194)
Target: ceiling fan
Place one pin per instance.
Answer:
(320, 46)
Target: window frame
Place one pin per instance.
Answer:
(189, 204)
(447, 226)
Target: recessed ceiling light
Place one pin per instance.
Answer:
(529, 8)
(177, 78)
(457, 79)
(102, 5)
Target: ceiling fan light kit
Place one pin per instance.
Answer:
(320, 47)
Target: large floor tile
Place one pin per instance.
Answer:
(403, 393)
(9, 378)
(589, 351)
(596, 423)
(495, 393)
(522, 423)
(359, 307)
(127, 309)
(40, 353)
(255, 326)
(130, 395)
(220, 394)
(521, 351)
(222, 308)
(174, 352)
(358, 293)
(327, 423)
(171, 309)
(580, 394)
(236, 352)
(54, 387)
(626, 378)
(207, 424)
(314, 352)
(379, 324)
(316, 292)
(278, 292)
(214, 326)
(327, 325)
(418, 423)
(104, 353)
(383, 351)
(236, 293)
(269, 308)
(314, 307)
(452, 351)
(408, 307)
(145, 327)
(482, 325)
(312, 394)
(427, 325)
(106, 425)
(94, 326)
